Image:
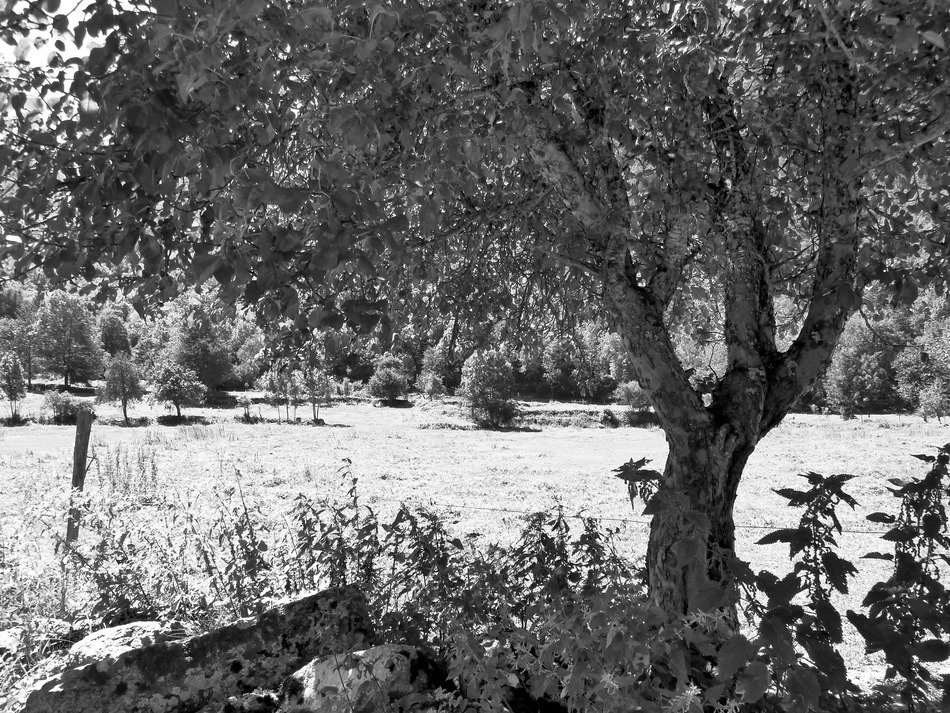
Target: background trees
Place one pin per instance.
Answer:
(178, 386)
(122, 383)
(11, 382)
(67, 342)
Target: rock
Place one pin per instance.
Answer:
(364, 681)
(11, 642)
(185, 675)
(113, 642)
(256, 702)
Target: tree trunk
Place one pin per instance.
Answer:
(125, 411)
(692, 534)
(178, 410)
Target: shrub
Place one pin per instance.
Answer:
(388, 385)
(431, 385)
(632, 396)
(922, 366)
(862, 377)
(640, 418)
(487, 381)
(11, 383)
(65, 408)
(934, 400)
(122, 383)
(178, 386)
(609, 419)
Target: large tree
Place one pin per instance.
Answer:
(66, 338)
(670, 162)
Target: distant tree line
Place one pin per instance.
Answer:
(891, 359)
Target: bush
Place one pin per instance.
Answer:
(65, 408)
(640, 418)
(632, 396)
(388, 385)
(122, 383)
(934, 400)
(179, 386)
(862, 377)
(431, 385)
(609, 419)
(487, 381)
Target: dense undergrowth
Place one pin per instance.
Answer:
(557, 612)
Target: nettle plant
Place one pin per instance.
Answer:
(908, 615)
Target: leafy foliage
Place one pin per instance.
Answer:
(113, 333)
(178, 386)
(200, 345)
(123, 383)
(65, 408)
(862, 377)
(388, 384)
(907, 615)
(12, 384)
(67, 342)
(487, 381)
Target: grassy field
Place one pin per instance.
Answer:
(479, 480)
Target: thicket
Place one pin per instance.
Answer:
(557, 614)
(486, 387)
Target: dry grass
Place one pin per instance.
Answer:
(479, 480)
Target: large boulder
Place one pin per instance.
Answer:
(185, 675)
(113, 642)
(387, 677)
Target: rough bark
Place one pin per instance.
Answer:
(693, 533)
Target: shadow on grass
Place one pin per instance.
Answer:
(14, 421)
(394, 403)
(507, 429)
(182, 421)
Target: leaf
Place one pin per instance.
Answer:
(250, 9)
(932, 650)
(829, 618)
(734, 654)
(934, 38)
(803, 689)
(784, 535)
(838, 570)
(754, 682)
(906, 39)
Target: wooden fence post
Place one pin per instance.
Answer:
(80, 454)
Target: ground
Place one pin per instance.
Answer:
(481, 480)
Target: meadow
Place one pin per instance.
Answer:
(427, 456)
